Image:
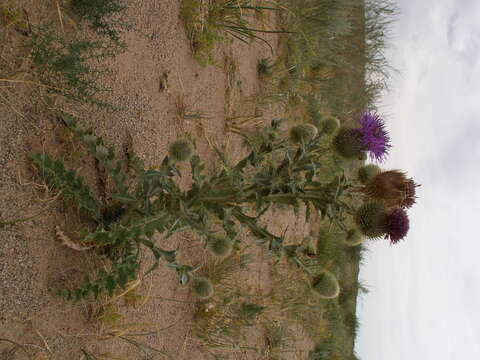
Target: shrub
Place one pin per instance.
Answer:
(65, 67)
(104, 16)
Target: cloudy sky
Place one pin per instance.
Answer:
(424, 300)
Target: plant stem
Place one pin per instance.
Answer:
(19, 220)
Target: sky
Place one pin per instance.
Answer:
(424, 300)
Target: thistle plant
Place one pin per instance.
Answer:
(375, 220)
(157, 204)
(72, 186)
(370, 137)
(276, 171)
(128, 224)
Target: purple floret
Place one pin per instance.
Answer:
(374, 136)
(398, 225)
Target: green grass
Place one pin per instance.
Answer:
(336, 49)
(291, 299)
(211, 22)
(279, 340)
(220, 321)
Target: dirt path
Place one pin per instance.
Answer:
(152, 83)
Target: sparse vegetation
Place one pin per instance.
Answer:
(333, 49)
(65, 67)
(104, 16)
(210, 22)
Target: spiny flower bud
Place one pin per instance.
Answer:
(371, 218)
(393, 187)
(303, 133)
(220, 246)
(181, 150)
(375, 220)
(367, 172)
(329, 125)
(202, 287)
(348, 143)
(326, 285)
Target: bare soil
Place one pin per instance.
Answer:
(150, 82)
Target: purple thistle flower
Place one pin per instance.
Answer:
(374, 136)
(397, 225)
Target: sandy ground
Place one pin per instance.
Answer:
(149, 82)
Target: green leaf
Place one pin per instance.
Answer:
(124, 198)
(152, 226)
(72, 185)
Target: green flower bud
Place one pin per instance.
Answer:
(326, 285)
(371, 219)
(303, 133)
(329, 125)
(220, 246)
(202, 287)
(181, 150)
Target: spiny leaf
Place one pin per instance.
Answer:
(72, 185)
